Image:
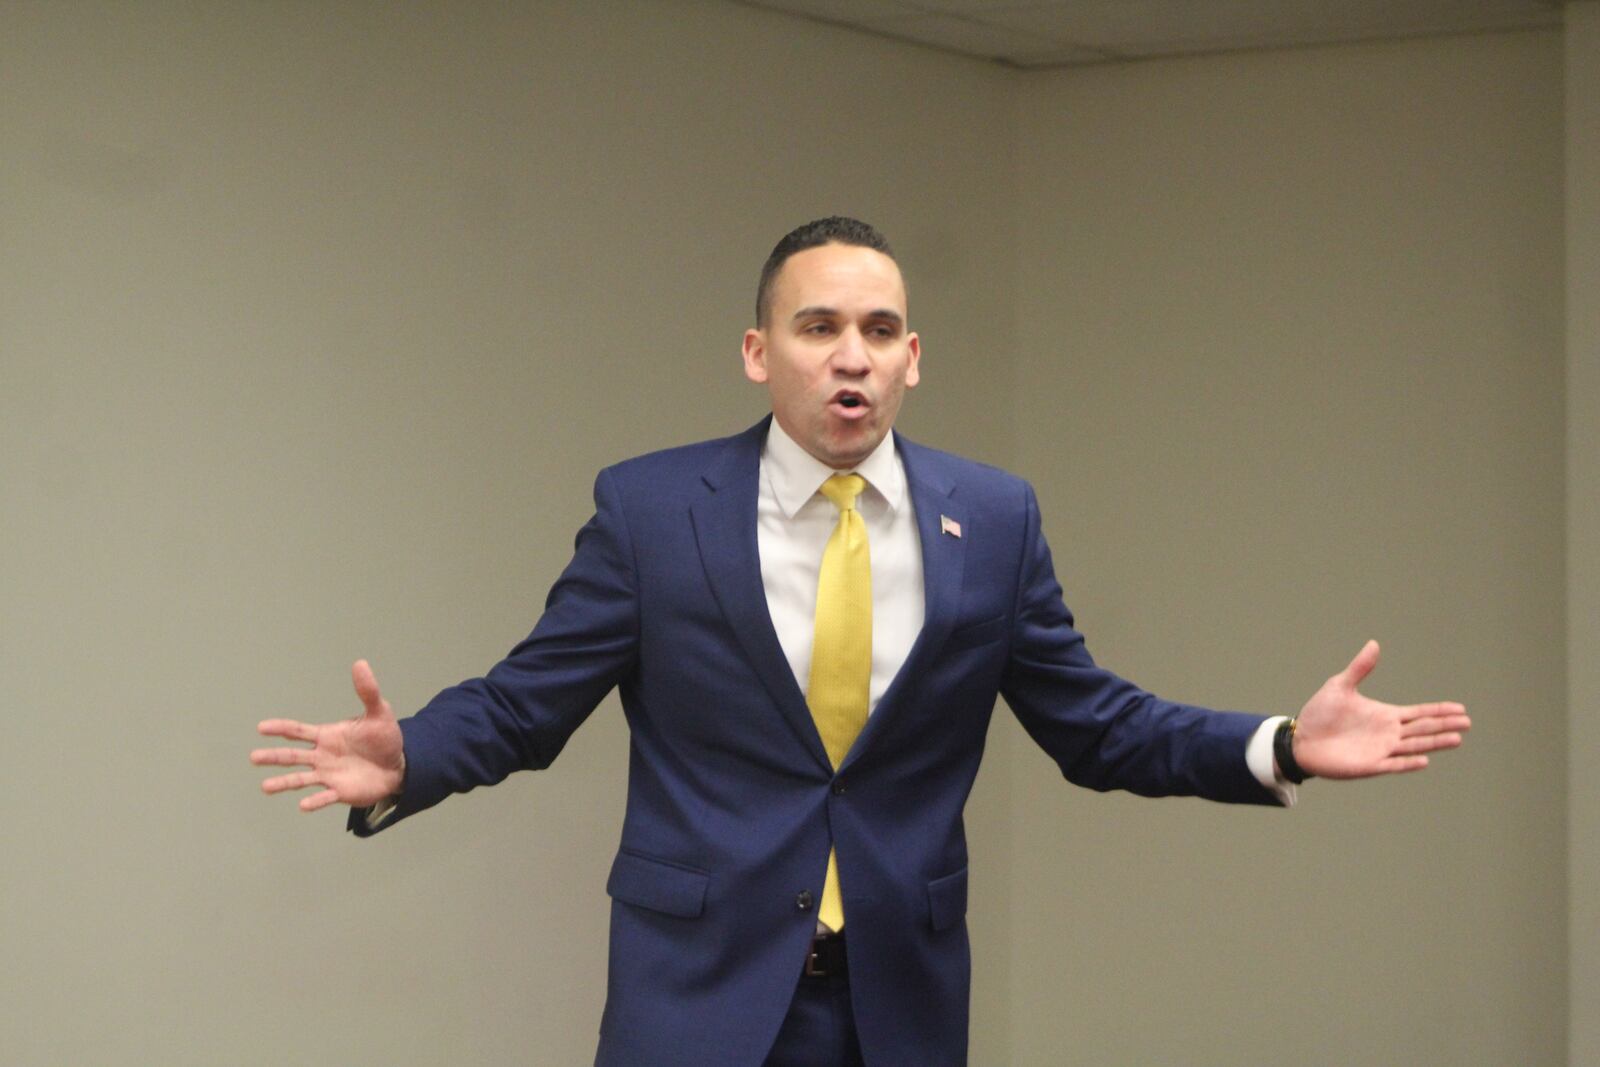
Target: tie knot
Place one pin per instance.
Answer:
(843, 489)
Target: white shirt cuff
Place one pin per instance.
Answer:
(385, 808)
(1258, 754)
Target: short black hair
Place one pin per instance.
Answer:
(835, 229)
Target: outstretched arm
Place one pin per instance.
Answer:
(359, 761)
(1342, 734)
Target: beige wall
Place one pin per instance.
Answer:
(1583, 522)
(1290, 360)
(315, 322)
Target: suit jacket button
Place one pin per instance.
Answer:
(838, 787)
(803, 900)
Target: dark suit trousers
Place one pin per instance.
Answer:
(820, 1029)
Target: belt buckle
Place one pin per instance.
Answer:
(813, 969)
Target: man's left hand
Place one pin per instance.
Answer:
(1342, 734)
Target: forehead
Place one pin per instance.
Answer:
(844, 277)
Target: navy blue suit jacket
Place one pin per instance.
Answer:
(732, 802)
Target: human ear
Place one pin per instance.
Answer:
(755, 355)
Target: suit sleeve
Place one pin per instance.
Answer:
(520, 715)
(1103, 731)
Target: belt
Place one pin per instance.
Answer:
(826, 957)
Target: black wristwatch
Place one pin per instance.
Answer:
(1283, 752)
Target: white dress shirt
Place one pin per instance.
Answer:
(793, 524)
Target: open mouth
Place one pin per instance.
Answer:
(849, 405)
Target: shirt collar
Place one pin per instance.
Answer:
(796, 474)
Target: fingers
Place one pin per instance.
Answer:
(288, 729)
(1362, 665)
(317, 801)
(286, 757)
(367, 688)
(1429, 743)
(1452, 724)
(1402, 764)
(300, 780)
(283, 782)
(286, 782)
(1431, 727)
(1436, 711)
(283, 757)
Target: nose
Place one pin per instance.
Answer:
(850, 354)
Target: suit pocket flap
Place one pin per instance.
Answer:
(947, 900)
(659, 886)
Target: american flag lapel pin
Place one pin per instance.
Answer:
(949, 526)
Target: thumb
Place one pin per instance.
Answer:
(1362, 665)
(367, 688)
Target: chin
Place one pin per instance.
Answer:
(849, 455)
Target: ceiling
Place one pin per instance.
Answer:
(1066, 33)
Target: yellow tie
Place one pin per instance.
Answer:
(841, 649)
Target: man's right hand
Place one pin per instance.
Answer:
(358, 761)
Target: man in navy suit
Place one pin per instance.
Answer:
(693, 590)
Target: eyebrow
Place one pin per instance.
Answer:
(818, 311)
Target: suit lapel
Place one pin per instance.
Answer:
(943, 563)
(725, 531)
